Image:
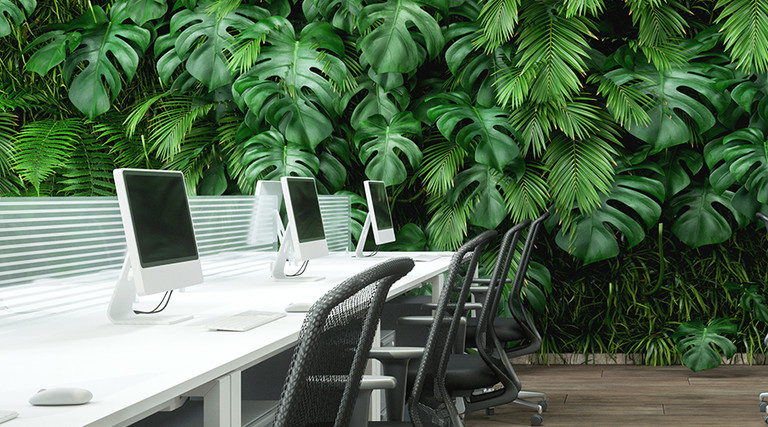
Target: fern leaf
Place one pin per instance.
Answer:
(7, 131)
(88, 171)
(44, 146)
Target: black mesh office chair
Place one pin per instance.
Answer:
(430, 402)
(332, 352)
(513, 336)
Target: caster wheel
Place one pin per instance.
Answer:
(763, 405)
(536, 420)
(543, 404)
(489, 411)
(766, 419)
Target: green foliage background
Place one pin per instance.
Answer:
(637, 123)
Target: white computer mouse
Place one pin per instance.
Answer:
(298, 307)
(61, 396)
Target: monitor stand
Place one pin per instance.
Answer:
(278, 268)
(120, 310)
(363, 236)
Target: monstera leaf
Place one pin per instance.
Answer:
(340, 13)
(57, 43)
(378, 100)
(202, 39)
(142, 11)
(480, 184)
(11, 15)
(701, 345)
(390, 46)
(268, 156)
(671, 91)
(488, 127)
(745, 153)
(381, 144)
(474, 70)
(632, 196)
(699, 222)
(308, 75)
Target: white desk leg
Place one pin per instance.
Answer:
(437, 286)
(221, 401)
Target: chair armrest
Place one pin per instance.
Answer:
(377, 382)
(362, 404)
(394, 353)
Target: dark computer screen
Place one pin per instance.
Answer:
(160, 216)
(380, 206)
(306, 210)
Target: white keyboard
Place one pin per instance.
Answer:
(245, 321)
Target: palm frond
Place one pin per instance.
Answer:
(223, 7)
(442, 161)
(173, 123)
(195, 154)
(582, 7)
(556, 47)
(579, 171)
(88, 171)
(745, 36)
(447, 226)
(533, 124)
(139, 112)
(513, 85)
(231, 149)
(627, 104)
(127, 151)
(526, 197)
(43, 146)
(498, 19)
(658, 23)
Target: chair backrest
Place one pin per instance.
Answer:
(429, 401)
(486, 341)
(332, 351)
(514, 300)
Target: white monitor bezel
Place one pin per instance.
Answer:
(302, 250)
(160, 278)
(380, 235)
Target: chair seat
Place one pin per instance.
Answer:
(464, 372)
(507, 329)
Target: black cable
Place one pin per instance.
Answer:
(160, 306)
(375, 251)
(301, 270)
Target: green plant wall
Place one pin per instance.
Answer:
(617, 116)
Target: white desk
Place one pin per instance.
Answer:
(134, 371)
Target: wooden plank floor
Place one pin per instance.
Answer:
(625, 395)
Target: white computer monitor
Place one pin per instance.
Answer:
(162, 250)
(304, 233)
(273, 188)
(379, 216)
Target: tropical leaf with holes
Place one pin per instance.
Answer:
(473, 71)
(750, 299)
(700, 215)
(554, 46)
(308, 78)
(268, 156)
(702, 347)
(752, 95)
(11, 15)
(342, 14)
(747, 159)
(109, 41)
(201, 41)
(44, 146)
(390, 33)
(745, 36)
(378, 100)
(88, 172)
(381, 143)
(630, 207)
(142, 11)
(484, 130)
(678, 97)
